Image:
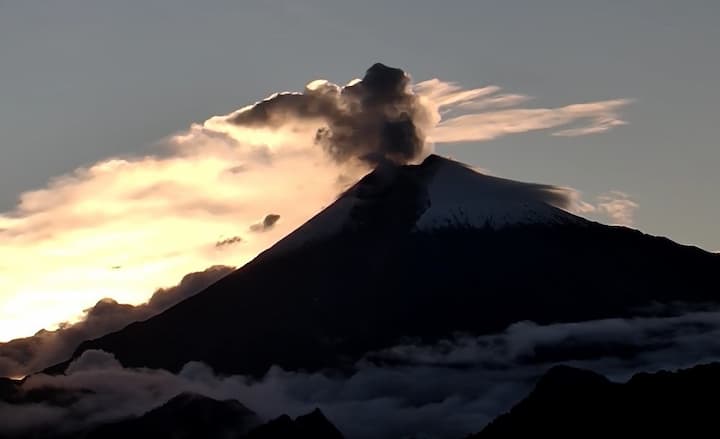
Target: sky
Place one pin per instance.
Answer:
(84, 81)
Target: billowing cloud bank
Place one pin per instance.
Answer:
(444, 390)
(24, 356)
(121, 228)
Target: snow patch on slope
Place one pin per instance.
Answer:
(461, 197)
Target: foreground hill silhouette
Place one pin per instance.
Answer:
(574, 403)
(186, 416)
(566, 403)
(420, 251)
(189, 416)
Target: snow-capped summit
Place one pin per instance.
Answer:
(437, 194)
(461, 196)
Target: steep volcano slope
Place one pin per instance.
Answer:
(420, 251)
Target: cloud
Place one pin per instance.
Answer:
(614, 207)
(266, 224)
(600, 116)
(228, 241)
(485, 114)
(445, 389)
(618, 207)
(156, 217)
(122, 227)
(24, 356)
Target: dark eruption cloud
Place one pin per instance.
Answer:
(266, 224)
(374, 119)
(228, 241)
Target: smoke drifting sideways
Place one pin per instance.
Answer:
(216, 183)
(443, 390)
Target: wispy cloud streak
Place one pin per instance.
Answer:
(486, 113)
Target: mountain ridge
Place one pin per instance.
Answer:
(570, 402)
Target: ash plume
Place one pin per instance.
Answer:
(376, 118)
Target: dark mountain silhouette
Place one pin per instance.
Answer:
(187, 416)
(311, 426)
(8, 388)
(573, 403)
(420, 251)
(190, 416)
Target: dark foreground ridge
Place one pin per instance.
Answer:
(185, 416)
(566, 403)
(196, 417)
(311, 426)
(575, 403)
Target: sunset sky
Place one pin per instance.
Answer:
(120, 171)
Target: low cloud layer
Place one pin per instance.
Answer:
(121, 228)
(443, 390)
(24, 356)
(614, 207)
(618, 206)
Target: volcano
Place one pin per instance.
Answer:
(416, 252)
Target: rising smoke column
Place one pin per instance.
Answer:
(376, 118)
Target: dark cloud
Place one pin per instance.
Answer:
(27, 355)
(267, 223)
(615, 345)
(445, 389)
(376, 118)
(228, 241)
(239, 169)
